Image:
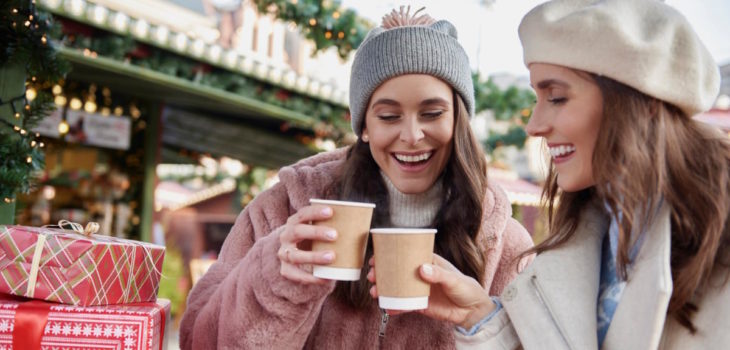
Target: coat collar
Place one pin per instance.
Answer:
(567, 279)
(643, 306)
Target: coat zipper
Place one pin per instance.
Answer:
(541, 296)
(383, 324)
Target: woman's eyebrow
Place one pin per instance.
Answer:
(433, 101)
(385, 101)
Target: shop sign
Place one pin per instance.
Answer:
(89, 128)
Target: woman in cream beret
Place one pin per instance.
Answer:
(639, 248)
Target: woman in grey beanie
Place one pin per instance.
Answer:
(639, 251)
(416, 159)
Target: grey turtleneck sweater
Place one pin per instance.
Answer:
(413, 210)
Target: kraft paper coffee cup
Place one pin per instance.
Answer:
(352, 222)
(399, 253)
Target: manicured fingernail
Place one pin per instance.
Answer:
(331, 234)
(327, 211)
(427, 269)
(329, 256)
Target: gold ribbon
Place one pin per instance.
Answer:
(91, 228)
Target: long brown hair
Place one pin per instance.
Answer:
(648, 150)
(459, 217)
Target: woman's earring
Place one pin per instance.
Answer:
(365, 138)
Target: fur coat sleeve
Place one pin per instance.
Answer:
(244, 290)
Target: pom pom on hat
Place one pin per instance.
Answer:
(408, 44)
(644, 44)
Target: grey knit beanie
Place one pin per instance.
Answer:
(386, 53)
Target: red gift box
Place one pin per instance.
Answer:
(35, 324)
(70, 268)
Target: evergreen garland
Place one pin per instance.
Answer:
(24, 41)
(331, 120)
(322, 21)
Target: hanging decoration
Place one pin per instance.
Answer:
(322, 21)
(25, 42)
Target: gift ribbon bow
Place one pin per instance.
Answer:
(90, 229)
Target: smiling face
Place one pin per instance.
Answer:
(568, 116)
(409, 125)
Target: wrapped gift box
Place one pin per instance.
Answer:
(70, 268)
(33, 324)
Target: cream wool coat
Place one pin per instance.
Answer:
(552, 304)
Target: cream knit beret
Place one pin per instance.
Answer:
(644, 44)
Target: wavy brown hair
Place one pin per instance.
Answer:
(459, 217)
(648, 150)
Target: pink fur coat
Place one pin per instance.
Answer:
(243, 302)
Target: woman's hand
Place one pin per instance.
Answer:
(454, 297)
(296, 241)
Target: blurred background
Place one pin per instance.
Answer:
(175, 114)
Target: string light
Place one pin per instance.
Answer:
(30, 94)
(29, 159)
(60, 100)
(57, 89)
(336, 14)
(32, 143)
(312, 22)
(17, 115)
(75, 103)
(62, 128)
(328, 35)
(90, 106)
(341, 35)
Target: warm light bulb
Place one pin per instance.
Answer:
(29, 159)
(62, 128)
(60, 100)
(57, 89)
(90, 106)
(75, 103)
(30, 94)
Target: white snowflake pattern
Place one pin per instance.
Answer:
(4, 326)
(56, 328)
(129, 342)
(3, 347)
(108, 330)
(87, 330)
(129, 331)
(66, 330)
(76, 330)
(97, 330)
(118, 331)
